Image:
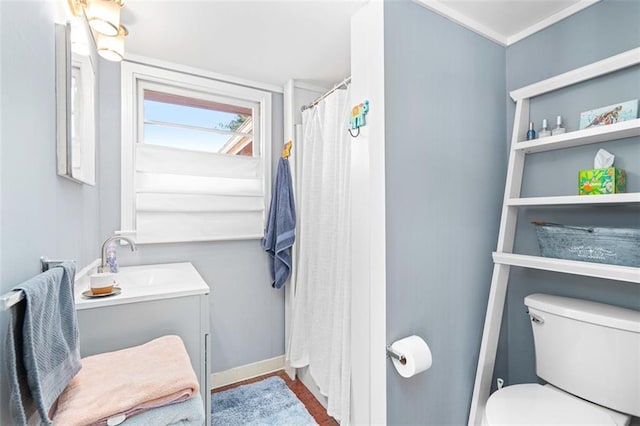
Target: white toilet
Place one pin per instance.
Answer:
(589, 353)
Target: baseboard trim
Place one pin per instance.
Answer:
(245, 372)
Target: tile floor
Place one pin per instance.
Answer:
(310, 402)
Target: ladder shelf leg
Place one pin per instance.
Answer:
(489, 346)
(500, 278)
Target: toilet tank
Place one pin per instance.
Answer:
(589, 349)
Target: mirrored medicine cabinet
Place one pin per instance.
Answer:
(75, 101)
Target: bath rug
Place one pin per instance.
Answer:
(267, 402)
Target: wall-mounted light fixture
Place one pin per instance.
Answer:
(112, 48)
(104, 19)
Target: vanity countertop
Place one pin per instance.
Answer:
(144, 283)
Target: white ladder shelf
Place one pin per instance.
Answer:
(504, 257)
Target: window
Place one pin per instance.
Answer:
(184, 122)
(195, 157)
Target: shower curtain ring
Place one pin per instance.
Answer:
(352, 135)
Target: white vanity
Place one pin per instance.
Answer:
(156, 300)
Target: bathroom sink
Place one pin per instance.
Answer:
(148, 277)
(145, 282)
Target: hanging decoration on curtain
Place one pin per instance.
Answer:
(357, 119)
(280, 232)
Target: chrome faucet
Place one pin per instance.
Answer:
(103, 261)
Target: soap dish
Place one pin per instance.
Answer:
(89, 294)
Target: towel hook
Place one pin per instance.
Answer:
(357, 119)
(286, 151)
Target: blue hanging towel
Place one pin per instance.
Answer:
(280, 232)
(43, 352)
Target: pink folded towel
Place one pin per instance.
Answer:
(129, 381)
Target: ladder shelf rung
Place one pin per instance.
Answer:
(607, 199)
(621, 130)
(589, 269)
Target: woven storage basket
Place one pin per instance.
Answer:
(613, 246)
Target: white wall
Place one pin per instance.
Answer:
(368, 220)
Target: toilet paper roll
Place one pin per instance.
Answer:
(417, 354)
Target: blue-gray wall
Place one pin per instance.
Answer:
(247, 315)
(445, 170)
(600, 31)
(42, 214)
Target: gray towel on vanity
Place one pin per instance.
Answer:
(43, 343)
(280, 232)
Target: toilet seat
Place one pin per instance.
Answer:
(532, 403)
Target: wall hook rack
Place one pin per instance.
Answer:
(357, 119)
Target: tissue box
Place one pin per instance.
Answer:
(610, 180)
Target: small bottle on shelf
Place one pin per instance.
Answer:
(559, 129)
(531, 133)
(544, 132)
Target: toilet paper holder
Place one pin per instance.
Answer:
(393, 354)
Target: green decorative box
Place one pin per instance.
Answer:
(609, 180)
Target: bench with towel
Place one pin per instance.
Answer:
(153, 383)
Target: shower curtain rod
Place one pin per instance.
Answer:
(343, 84)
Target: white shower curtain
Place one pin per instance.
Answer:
(321, 326)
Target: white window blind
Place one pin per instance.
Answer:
(193, 169)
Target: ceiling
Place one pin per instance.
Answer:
(273, 41)
(265, 41)
(506, 21)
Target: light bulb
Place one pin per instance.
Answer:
(104, 16)
(112, 48)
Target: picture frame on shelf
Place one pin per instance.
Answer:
(609, 114)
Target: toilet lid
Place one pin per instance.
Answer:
(532, 403)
